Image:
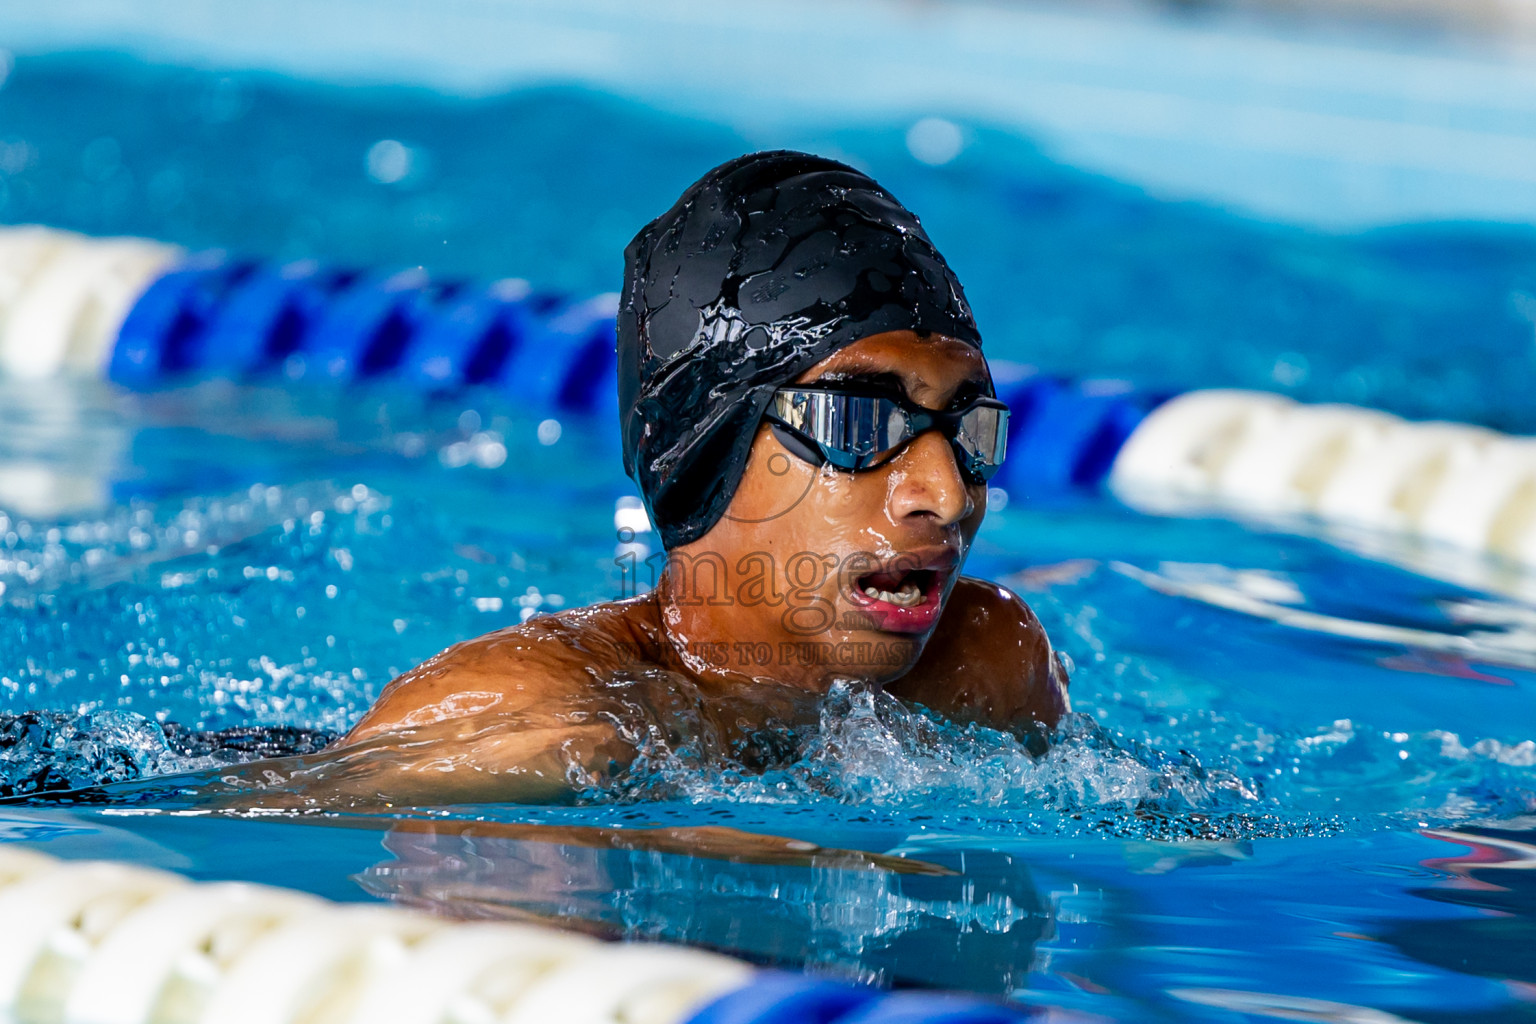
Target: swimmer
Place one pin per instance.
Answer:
(808, 414)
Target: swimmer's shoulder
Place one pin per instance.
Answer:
(991, 604)
(530, 665)
(982, 616)
(989, 661)
(611, 634)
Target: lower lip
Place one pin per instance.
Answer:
(895, 618)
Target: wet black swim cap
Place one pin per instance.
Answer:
(764, 267)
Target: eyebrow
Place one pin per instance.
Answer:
(968, 389)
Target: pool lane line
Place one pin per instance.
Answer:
(96, 942)
(149, 315)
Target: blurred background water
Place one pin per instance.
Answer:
(1195, 201)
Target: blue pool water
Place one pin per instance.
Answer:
(1243, 816)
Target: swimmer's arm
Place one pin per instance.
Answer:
(475, 760)
(989, 661)
(475, 678)
(533, 670)
(504, 718)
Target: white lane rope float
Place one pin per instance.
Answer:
(95, 942)
(1450, 483)
(86, 942)
(63, 297)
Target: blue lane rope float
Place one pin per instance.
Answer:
(97, 942)
(163, 333)
(264, 318)
(207, 315)
(1065, 434)
(471, 338)
(781, 998)
(149, 315)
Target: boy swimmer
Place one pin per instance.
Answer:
(808, 414)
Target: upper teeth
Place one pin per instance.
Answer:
(907, 596)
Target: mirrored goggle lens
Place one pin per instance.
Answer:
(852, 430)
(859, 431)
(982, 434)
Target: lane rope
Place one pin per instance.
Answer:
(95, 942)
(1441, 482)
(150, 315)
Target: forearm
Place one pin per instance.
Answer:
(491, 765)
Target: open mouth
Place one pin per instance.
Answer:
(904, 598)
(902, 588)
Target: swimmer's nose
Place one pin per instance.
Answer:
(927, 482)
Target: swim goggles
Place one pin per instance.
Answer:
(853, 430)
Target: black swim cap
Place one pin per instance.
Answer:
(763, 267)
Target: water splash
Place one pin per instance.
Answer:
(287, 604)
(49, 751)
(868, 749)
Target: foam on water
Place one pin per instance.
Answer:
(870, 750)
(1225, 781)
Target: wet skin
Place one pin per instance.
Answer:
(748, 628)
